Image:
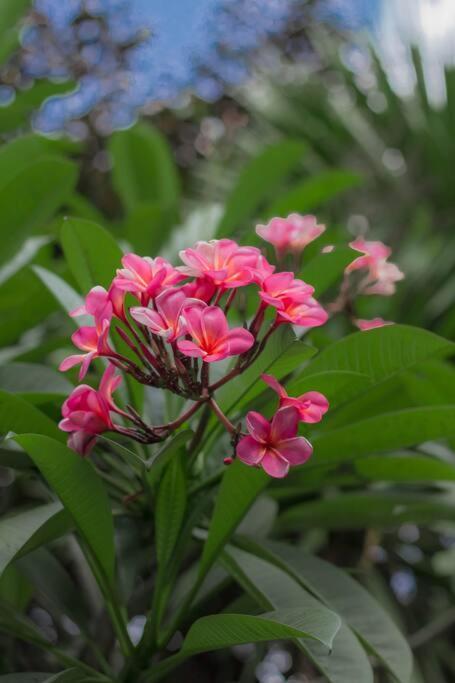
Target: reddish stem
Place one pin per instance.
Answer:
(221, 416)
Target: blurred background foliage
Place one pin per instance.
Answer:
(292, 113)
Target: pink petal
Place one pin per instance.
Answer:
(275, 385)
(70, 362)
(296, 451)
(81, 442)
(192, 316)
(169, 303)
(214, 325)
(85, 365)
(189, 348)
(250, 451)
(149, 318)
(274, 464)
(285, 424)
(239, 341)
(258, 426)
(85, 338)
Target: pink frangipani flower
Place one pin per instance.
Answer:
(373, 252)
(307, 314)
(97, 304)
(280, 289)
(224, 262)
(212, 338)
(145, 277)
(274, 445)
(166, 321)
(365, 325)
(86, 412)
(311, 406)
(201, 288)
(91, 340)
(291, 234)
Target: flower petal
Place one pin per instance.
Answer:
(274, 464)
(296, 451)
(275, 385)
(239, 340)
(189, 348)
(250, 451)
(214, 325)
(285, 424)
(258, 426)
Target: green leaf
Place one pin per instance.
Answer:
(274, 588)
(19, 153)
(91, 252)
(26, 677)
(239, 489)
(311, 194)
(354, 604)
(165, 454)
(54, 583)
(380, 353)
(148, 227)
(68, 299)
(11, 12)
(325, 270)
(398, 429)
(17, 114)
(68, 676)
(144, 169)
(81, 491)
(404, 468)
(31, 380)
(170, 510)
(260, 177)
(19, 416)
(338, 386)
(31, 198)
(358, 511)
(26, 530)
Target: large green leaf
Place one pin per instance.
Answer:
(144, 169)
(261, 176)
(325, 270)
(28, 529)
(170, 510)
(10, 13)
(359, 510)
(25, 677)
(31, 198)
(338, 386)
(19, 153)
(381, 352)
(313, 193)
(354, 604)
(81, 491)
(398, 429)
(239, 489)
(147, 227)
(68, 299)
(19, 416)
(91, 252)
(274, 588)
(32, 380)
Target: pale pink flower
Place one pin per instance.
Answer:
(292, 234)
(274, 445)
(383, 278)
(280, 289)
(212, 338)
(311, 406)
(87, 412)
(145, 277)
(373, 253)
(224, 262)
(307, 314)
(365, 325)
(92, 340)
(166, 321)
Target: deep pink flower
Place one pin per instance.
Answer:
(311, 406)
(224, 262)
(92, 340)
(166, 321)
(97, 304)
(307, 314)
(293, 233)
(145, 277)
(280, 289)
(201, 288)
(274, 445)
(87, 412)
(365, 325)
(212, 338)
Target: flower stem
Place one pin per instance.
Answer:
(221, 416)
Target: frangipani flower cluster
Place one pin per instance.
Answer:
(174, 323)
